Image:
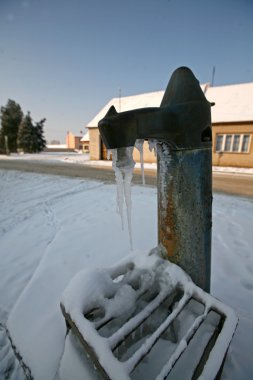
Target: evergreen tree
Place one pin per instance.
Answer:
(26, 134)
(11, 116)
(30, 136)
(39, 136)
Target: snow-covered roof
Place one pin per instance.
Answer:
(150, 99)
(57, 146)
(233, 103)
(86, 137)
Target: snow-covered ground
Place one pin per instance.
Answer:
(52, 227)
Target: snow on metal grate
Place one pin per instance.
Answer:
(145, 318)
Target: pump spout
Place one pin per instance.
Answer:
(183, 119)
(182, 128)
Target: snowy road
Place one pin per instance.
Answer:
(234, 184)
(53, 226)
(77, 170)
(230, 183)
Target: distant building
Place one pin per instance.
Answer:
(232, 123)
(85, 141)
(56, 148)
(73, 142)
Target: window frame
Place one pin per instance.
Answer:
(230, 150)
(246, 151)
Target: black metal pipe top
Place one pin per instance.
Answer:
(183, 119)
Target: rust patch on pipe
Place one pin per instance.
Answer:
(167, 233)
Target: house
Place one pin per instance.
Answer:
(232, 123)
(85, 141)
(73, 142)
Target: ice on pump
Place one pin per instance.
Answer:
(123, 165)
(139, 145)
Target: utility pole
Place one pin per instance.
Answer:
(213, 74)
(119, 99)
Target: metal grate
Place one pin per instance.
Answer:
(172, 330)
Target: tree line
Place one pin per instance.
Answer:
(18, 131)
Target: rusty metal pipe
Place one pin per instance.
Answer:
(184, 181)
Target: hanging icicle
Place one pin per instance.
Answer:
(139, 145)
(123, 165)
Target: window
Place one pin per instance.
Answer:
(245, 143)
(228, 140)
(219, 141)
(234, 143)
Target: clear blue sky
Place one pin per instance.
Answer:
(64, 60)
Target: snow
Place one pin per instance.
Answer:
(128, 102)
(57, 146)
(230, 169)
(74, 361)
(95, 289)
(86, 136)
(232, 102)
(52, 227)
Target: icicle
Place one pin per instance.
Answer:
(123, 165)
(127, 193)
(152, 145)
(139, 145)
(120, 187)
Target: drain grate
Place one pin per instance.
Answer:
(146, 319)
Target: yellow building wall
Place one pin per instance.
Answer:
(85, 146)
(94, 144)
(147, 155)
(72, 141)
(95, 148)
(236, 159)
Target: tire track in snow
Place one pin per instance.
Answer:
(44, 207)
(25, 255)
(47, 207)
(12, 366)
(9, 223)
